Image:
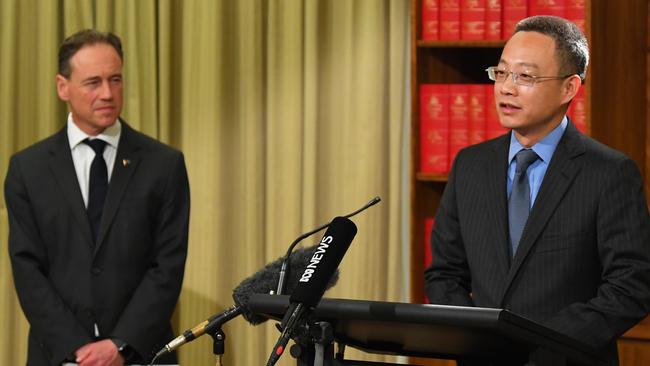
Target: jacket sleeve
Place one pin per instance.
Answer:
(623, 240)
(154, 299)
(447, 280)
(54, 325)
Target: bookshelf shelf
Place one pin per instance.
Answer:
(430, 177)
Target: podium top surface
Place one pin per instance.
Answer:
(433, 330)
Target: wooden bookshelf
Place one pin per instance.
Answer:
(616, 90)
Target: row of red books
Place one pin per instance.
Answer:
(454, 116)
(452, 20)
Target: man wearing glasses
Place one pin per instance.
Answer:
(544, 221)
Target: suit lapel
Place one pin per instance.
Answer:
(126, 162)
(63, 169)
(558, 178)
(496, 186)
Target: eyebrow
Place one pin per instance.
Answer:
(525, 64)
(92, 78)
(95, 78)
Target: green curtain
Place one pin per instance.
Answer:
(289, 112)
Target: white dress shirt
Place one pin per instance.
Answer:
(83, 155)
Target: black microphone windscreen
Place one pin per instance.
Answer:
(266, 279)
(313, 279)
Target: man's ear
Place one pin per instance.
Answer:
(570, 88)
(62, 87)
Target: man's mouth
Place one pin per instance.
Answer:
(508, 108)
(107, 108)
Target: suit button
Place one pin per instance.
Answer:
(96, 271)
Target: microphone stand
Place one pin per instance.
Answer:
(218, 344)
(285, 261)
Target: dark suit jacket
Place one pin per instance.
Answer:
(129, 282)
(583, 263)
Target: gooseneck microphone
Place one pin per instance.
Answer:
(262, 282)
(313, 280)
(283, 269)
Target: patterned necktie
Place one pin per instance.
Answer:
(519, 202)
(97, 185)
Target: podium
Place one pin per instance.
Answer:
(475, 336)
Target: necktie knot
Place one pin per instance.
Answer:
(524, 159)
(97, 145)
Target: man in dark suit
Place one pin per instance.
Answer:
(98, 218)
(544, 221)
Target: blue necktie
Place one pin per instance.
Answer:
(519, 202)
(97, 185)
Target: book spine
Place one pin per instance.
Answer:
(450, 20)
(493, 23)
(547, 7)
(472, 16)
(458, 119)
(430, 13)
(575, 12)
(477, 117)
(513, 11)
(434, 128)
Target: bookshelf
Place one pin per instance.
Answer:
(616, 89)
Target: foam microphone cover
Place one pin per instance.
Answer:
(266, 279)
(325, 261)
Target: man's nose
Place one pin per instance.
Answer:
(508, 85)
(106, 92)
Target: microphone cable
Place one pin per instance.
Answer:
(154, 359)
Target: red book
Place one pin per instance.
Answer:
(493, 126)
(450, 20)
(493, 22)
(578, 109)
(547, 7)
(513, 11)
(430, 10)
(458, 119)
(428, 228)
(434, 128)
(472, 19)
(476, 113)
(575, 12)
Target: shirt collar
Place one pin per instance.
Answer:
(111, 134)
(544, 148)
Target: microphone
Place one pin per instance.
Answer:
(313, 280)
(207, 326)
(283, 270)
(262, 282)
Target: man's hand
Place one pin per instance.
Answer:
(100, 353)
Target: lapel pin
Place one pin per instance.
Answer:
(126, 162)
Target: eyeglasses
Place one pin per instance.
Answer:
(498, 75)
